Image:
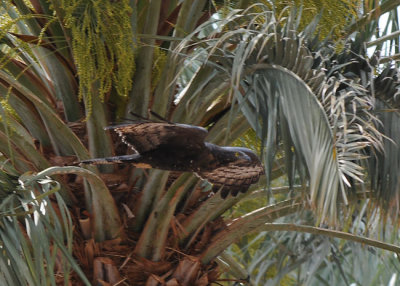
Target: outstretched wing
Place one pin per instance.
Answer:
(233, 178)
(146, 136)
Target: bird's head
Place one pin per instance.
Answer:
(243, 154)
(231, 154)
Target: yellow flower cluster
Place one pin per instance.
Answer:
(335, 15)
(159, 61)
(103, 46)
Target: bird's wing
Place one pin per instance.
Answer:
(147, 136)
(233, 178)
(132, 158)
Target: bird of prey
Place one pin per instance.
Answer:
(181, 147)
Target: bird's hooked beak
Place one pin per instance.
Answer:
(242, 155)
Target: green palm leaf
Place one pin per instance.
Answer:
(291, 90)
(35, 233)
(308, 127)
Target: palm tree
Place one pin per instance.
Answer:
(348, 69)
(231, 74)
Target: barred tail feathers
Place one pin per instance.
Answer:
(134, 158)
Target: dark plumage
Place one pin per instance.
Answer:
(181, 147)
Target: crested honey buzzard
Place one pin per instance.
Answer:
(182, 148)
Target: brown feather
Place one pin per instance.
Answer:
(181, 147)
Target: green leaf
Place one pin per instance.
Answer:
(31, 240)
(107, 223)
(307, 125)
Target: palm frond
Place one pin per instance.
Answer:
(100, 203)
(291, 87)
(35, 234)
(288, 255)
(307, 124)
(384, 166)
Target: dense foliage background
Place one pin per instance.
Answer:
(312, 86)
